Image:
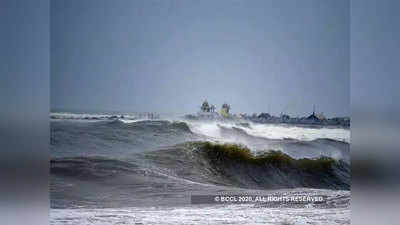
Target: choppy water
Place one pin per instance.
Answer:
(108, 170)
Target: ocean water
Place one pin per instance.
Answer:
(132, 170)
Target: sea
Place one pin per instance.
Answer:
(132, 168)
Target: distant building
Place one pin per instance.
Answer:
(285, 118)
(205, 107)
(321, 116)
(212, 108)
(207, 112)
(313, 117)
(264, 116)
(225, 110)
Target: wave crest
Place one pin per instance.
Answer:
(274, 169)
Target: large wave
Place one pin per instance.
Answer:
(235, 165)
(212, 128)
(271, 131)
(219, 164)
(298, 142)
(127, 162)
(114, 136)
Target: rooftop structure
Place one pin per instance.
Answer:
(313, 116)
(225, 110)
(205, 107)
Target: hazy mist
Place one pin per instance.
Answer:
(168, 56)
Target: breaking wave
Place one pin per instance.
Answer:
(217, 164)
(272, 131)
(128, 161)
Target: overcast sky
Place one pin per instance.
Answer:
(168, 56)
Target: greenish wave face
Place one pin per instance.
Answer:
(240, 153)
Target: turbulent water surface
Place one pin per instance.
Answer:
(107, 170)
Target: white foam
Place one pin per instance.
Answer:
(212, 129)
(271, 131)
(86, 116)
(195, 214)
(130, 120)
(67, 115)
(300, 133)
